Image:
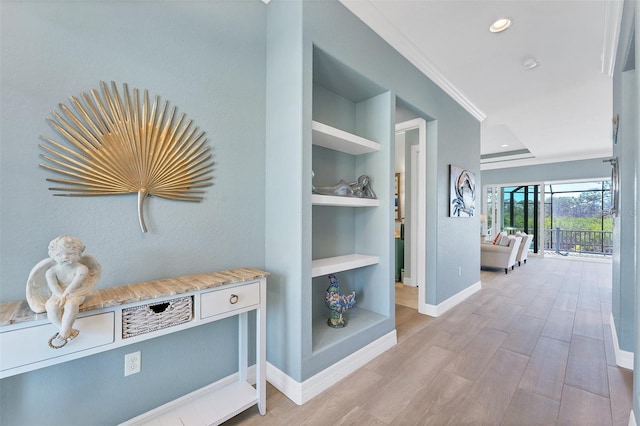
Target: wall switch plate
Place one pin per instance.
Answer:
(132, 363)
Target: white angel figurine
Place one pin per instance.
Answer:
(59, 285)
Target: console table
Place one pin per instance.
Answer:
(119, 316)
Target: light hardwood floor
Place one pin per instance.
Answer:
(531, 347)
(407, 296)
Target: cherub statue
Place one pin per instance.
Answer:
(59, 285)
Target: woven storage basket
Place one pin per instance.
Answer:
(156, 316)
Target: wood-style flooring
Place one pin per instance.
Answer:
(532, 347)
(407, 296)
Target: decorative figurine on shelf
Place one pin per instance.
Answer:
(338, 303)
(360, 188)
(59, 285)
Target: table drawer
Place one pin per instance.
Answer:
(29, 345)
(221, 301)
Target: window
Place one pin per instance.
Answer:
(577, 217)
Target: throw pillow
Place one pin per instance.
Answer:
(504, 241)
(495, 240)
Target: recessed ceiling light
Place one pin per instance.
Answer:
(504, 145)
(530, 63)
(500, 25)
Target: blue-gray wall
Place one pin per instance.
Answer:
(206, 58)
(626, 103)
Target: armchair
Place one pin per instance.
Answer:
(523, 250)
(500, 256)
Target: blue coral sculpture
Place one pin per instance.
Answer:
(338, 303)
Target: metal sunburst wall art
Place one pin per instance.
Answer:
(120, 145)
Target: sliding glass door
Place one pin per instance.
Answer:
(521, 210)
(513, 209)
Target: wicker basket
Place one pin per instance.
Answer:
(156, 316)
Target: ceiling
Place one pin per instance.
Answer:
(558, 111)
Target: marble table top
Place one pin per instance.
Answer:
(19, 311)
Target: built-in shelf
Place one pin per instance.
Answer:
(358, 320)
(331, 265)
(337, 201)
(339, 140)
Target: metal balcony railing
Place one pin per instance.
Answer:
(578, 241)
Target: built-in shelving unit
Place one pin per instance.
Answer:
(351, 136)
(342, 127)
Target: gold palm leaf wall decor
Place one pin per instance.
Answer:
(120, 145)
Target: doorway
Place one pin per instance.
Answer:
(521, 210)
(411, 200)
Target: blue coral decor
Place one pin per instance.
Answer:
(338, 303)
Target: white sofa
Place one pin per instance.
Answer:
(502, 254)
(523, 250)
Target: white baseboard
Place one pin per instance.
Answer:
(408, 281)
(305, 391)
(624, 359)
(437, 310)
(632, 419)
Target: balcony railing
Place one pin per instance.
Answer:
(578, 241)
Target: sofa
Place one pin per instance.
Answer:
(523, 250)
(501, 252)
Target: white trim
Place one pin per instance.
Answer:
(415, 207)
(301, 393)
(371, 16)
(632, 419)
(624, 359)
(420, 243)
(408, 281)
(437, 310)
(612, 27)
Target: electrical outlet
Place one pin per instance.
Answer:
(459, 271)
(132, 363)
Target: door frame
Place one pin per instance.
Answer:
(418, 206)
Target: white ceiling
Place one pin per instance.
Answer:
(559, 111)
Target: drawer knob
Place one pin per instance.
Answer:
(233, 299)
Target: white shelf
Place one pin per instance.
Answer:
(358, 319)
(332, 265)
(339, 140)
(337, 201)
(202, 407)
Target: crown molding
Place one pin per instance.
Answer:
(368, 13)
(612, 26)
